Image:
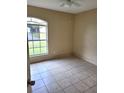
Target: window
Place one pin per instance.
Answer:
(37, 37)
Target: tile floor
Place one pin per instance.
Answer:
(65, 75)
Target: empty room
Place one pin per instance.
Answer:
(62, 46)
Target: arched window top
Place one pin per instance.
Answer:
(36, 21)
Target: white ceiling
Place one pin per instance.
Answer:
(55, 5)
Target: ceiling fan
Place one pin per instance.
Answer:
(70, 3)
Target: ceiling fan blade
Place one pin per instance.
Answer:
(76, 4)
(66, 4)
(62, 4)
(69, 3)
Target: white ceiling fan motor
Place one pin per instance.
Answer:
(70, 3)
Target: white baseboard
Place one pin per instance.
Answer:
(47, 57)
(86, 59)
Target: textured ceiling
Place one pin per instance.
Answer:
(55, 5)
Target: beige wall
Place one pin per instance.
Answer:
(60, 27)
(69, 33)
(85, 36)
